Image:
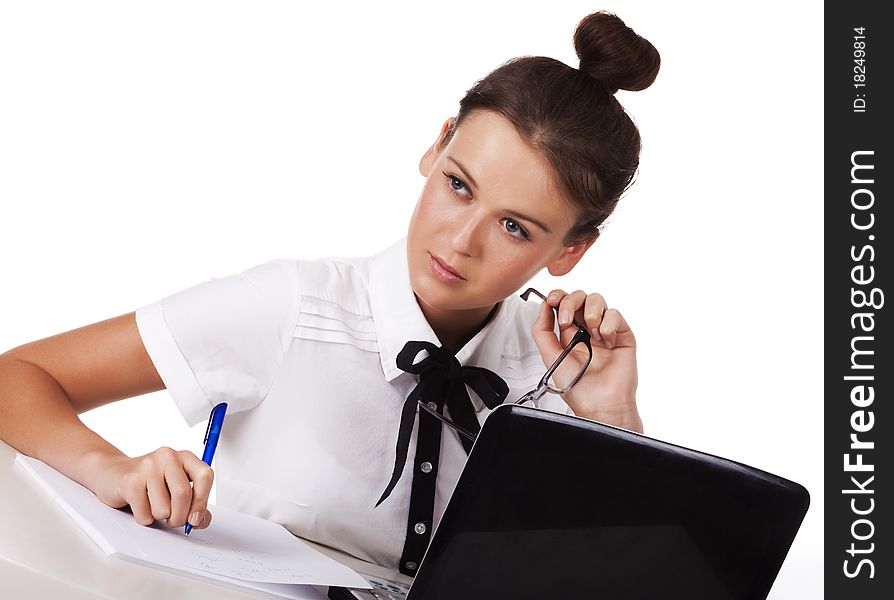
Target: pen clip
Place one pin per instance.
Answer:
(214, 412)
(208, 429)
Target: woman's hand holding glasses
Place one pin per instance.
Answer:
(606, 391)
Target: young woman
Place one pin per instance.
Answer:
(338, 373)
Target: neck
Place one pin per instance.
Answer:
(455, 328)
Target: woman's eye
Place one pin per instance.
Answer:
(515, 230)
(456, 184)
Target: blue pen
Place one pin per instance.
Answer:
(212, 435)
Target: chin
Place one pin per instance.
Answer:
(439, 297)
(434, 296)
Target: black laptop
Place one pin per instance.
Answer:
(553, 506)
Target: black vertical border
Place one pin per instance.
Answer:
(848, 131)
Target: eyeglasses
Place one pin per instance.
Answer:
(582, 336)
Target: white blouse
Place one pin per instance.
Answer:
(304, 352)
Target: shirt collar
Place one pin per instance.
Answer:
(398, 318)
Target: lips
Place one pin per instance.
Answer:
(443, 271)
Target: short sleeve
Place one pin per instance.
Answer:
(223, 340)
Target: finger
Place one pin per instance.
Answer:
(202, 476)
(181, 494)
(555, 296)
(569, 307)
(133, 490)
(200, 520)
(544, 333)
(615, 330)
(594, 314)
(159, 497)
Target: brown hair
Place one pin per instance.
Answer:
(572, 116)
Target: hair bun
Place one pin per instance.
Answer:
(614, 54)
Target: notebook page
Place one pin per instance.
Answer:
(236, 546)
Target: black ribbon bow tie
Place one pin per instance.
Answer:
(443, 381)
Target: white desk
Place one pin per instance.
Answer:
(44, 554)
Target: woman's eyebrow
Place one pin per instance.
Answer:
(464, 172)
(525, 217)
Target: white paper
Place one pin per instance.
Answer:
(237, 548)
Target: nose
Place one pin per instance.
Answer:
(465, 234)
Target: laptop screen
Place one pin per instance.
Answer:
(554, 506)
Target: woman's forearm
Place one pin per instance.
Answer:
(37, 418)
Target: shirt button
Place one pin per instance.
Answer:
(420, 528)
(425, 467)
(432, 406)
(410, 565)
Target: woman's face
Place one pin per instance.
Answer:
(487, 220)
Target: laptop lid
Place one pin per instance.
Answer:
(553, 506)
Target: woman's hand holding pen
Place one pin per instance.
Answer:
(607, 391)
(157, 487)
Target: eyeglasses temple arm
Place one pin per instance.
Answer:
(446, 422)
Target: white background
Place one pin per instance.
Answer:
(148, 147)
